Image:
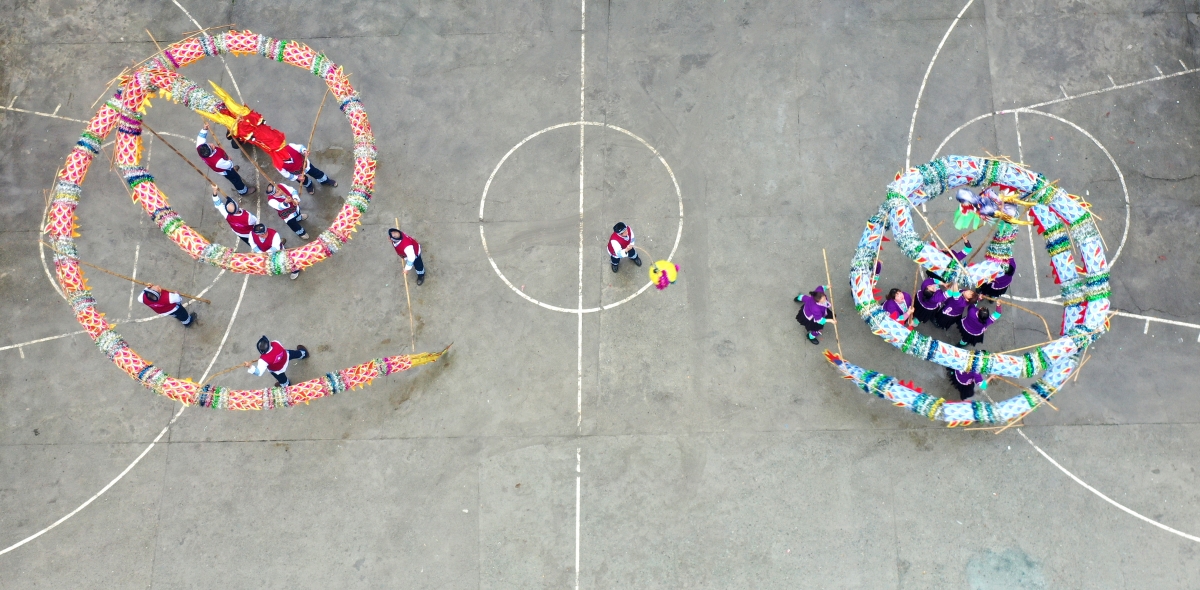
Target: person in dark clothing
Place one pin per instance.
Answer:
(274, 358)
(1000, 284)
(815, 312)
(965, 382)
(954, 307)
(929, 301)
(975, 322)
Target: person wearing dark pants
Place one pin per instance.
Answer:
(242, 222)
(410, 251)
(285, 200)
(620, 245)
(965, 382)
(274, 359)
(219, 162)
(291, 163)
(164, 302)
(974, 324)
(999, 285)
(815, 312)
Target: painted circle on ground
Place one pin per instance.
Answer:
(1111, 160)
(492, 176)
(1066, 225)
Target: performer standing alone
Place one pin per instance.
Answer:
(410, 251)
(620, 245)
(815, 312)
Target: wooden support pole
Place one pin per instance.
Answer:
(121, 276)
(837, 337)
(308, 146)
(1025, 309)
(180, 154)
(411, 330)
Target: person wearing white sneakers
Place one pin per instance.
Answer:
(285, 200)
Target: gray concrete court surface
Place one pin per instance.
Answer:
(689, 438)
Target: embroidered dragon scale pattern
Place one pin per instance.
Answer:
(1062, 218)
(123, 112)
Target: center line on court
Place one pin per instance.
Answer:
(579, 311)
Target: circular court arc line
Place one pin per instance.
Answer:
(487, 186)
(1039, 450)
(1111, 160)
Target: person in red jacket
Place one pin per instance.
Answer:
(274, 358)
(410, 251)
(620, 245)
(286, 201)
(292, 165)
(220, 163)
(267, 241)
(164, 302)
(240, 221)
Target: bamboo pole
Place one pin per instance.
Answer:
(1022, 387)
(917, 272)
(254, 162)
(160, 49)
(180, 154)
(1075, 377)
(1025, 309)
(412, 332)
(837, 337)
(308, 146)
(223, 371)
(927, 224)
(1025, 347)
(121, 276)
(981, 246)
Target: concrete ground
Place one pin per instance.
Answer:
(685, 438)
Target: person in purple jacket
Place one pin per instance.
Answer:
(955, 305)
(929, 301)
(815, 312)
(965, 383)
(975, 322)
(899, 306)
(1000, 284)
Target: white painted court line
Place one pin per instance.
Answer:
(1109, 89)
(578, 504)
(924, 80)
(487, 186)
(579, 315)
(54, 116)
(137, 251)
(228, 327)
(99, 493)
(1093, 490)
(1037, 283)
(579, 306)
(1015, 113)
(221, 57)
(1111, 160)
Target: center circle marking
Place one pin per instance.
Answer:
(492, 176)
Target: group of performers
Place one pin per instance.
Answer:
(945, 305)
(292, 163)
